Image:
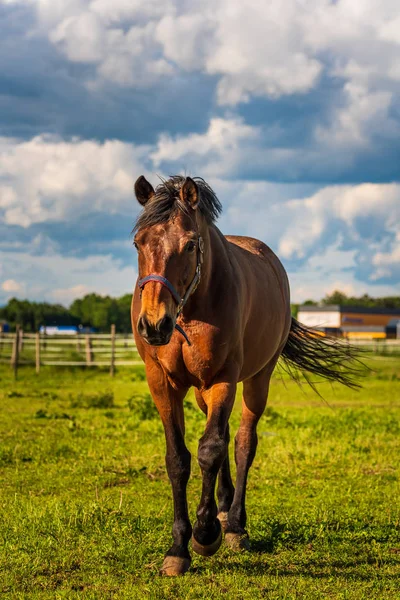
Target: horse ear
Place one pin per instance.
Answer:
(190, 193)
(143, 190)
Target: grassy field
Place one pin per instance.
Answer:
(86, 508)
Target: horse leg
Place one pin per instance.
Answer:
(213, 447)
(225, 488)
(255, 393)
(169, 402)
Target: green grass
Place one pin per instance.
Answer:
(86, 509)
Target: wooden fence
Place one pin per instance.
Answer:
(101, 350)
(89, 350)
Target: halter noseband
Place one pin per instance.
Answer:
(190, 290)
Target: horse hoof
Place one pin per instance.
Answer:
(174, 565)
(223, 519)
(208, 550)
(237, 541)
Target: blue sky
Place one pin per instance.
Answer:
(290, 109)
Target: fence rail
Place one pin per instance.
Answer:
(89, 350)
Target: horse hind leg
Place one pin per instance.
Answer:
(255, 394)
(225, 488)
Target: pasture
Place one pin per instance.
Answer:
(86, 508)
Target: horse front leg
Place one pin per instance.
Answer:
(169, 402)
(225, 488)
(212, 453)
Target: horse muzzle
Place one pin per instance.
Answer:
(158, 334)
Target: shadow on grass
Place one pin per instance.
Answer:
(349, 570)
(360, 565)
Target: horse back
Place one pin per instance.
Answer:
(260, 256)
(265, 299)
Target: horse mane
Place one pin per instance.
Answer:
(166, 202)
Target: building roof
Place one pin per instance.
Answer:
(344, 308)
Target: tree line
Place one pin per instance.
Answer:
(101, 312)
(338, 297)
(93, 310)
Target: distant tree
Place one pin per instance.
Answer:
(124, 318)
(93, 310)
(101, 312)
(335, 298)
(31, 315)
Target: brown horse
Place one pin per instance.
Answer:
(210, 311)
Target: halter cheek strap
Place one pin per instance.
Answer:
(190, 290)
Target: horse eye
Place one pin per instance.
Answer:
(136, 246)
(190, 246)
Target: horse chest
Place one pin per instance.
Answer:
(194, 365)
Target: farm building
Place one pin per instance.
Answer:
(65, 329)
(349, 321)
(59, 329)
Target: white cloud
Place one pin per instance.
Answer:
(118, 38)
(46, 178)
(348, 232)
(259, 50)
(254, 49)
(364, 113)
(67, 295)
(214, 152)
(58, 278)
(268, 49)
(81, 38)
(11, 286)
(330, 234)
(387, 264)
(185, 38)
(329, 270)
(362, 213)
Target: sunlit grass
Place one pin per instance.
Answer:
(86, 507)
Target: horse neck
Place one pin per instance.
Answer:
(213, 270)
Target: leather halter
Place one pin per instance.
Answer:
(190, 290)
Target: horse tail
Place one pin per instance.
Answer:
(334, 359)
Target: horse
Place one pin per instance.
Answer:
(209, 311)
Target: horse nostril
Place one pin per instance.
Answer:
(165, 325)
(158, 334)
(142, 326)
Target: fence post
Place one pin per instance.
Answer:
(21, 341)
(78, 342)
(37, 352)
(112, 366)
(88, 350)
(15, 352)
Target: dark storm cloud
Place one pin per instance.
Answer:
(41, 91)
